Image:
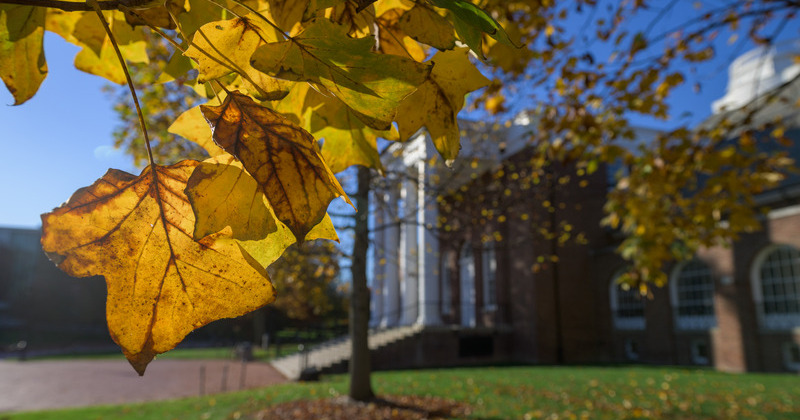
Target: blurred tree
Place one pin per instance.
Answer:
(307, 276)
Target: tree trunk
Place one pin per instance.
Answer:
(360, 385)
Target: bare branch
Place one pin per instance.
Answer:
(69, 6)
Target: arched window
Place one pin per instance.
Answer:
(776, 287)
(489, 274)
(692, 292)
(627, 306)
(466, 271)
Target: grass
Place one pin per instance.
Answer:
(183, 354)
(510, 393)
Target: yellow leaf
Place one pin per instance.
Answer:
(199, 13)
(162, 284)
(359, 25)
(97, 56)
(437, 101)
(192, 126)
(370, 84)
(393, 40)
(224, 47)
(347, 141)
(288, 14)
(383, 6)
(423, 24)
(22, 63)
(158, 15)
(283, 158)
(269, 249)
(224, 195)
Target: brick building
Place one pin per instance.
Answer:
(524, 298)
(40, 304)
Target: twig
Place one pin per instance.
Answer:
(96, 7)
(69, 6)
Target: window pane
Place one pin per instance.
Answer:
(695, 290)
(780, 281)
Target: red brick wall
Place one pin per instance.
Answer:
(527, 287)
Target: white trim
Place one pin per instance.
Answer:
(784, 212)
(779, 322)
(466, 277)
(689, 322)
(446, 279)
(489, 270)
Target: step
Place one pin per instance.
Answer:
(337, 350)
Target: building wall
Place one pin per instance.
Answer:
(44, 306)
(561, 313)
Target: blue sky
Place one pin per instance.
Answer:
(55, 143)
(61, 139)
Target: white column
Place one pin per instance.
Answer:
(428, 256)
(391, 245)
(409, 244)
(379, 258)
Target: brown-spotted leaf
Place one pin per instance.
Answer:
(437, 101)
(162, 283)
(22, 63)
(224, 195)
(225, 198)
(282, 157)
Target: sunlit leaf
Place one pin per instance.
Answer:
(437, 102)
(162, 284)
(283, 158)
(288, 14)
(224, 195)
(224, 47)
(474, 16)
(371, 84)
(268, 250)
(158, 15)
(192, 125)
(97, 56)
(470, 21)
(428, 27)
(393, 40)
(22, 63)
(346, 14)
(347, 141)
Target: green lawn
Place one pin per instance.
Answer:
(184, 353)
(513, 393)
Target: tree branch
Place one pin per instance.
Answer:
(69, 6)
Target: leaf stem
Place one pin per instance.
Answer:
(68, 6)
(94, 4)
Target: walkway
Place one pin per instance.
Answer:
(38, 385)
